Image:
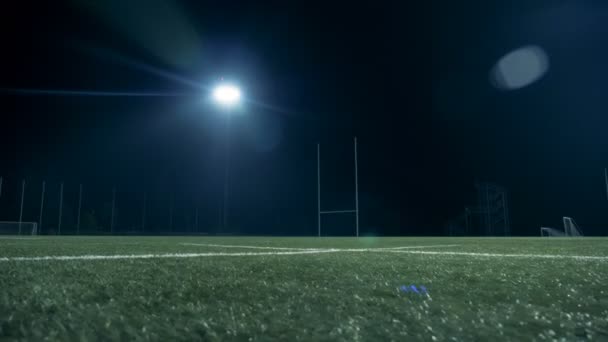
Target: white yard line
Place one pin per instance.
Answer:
(312, 249)
(156, 256)
(410, 247)
(253, 247)
(500, 255)
(298, 251)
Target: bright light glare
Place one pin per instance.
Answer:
(226, 95)
(520, 68)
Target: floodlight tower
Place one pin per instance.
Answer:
(227, 97)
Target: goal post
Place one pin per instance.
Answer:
(354, 211)
(18, 228)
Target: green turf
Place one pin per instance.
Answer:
(346, 296)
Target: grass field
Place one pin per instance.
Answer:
(292, 289)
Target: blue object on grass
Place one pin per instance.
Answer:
(412, 288)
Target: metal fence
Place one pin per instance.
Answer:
(62, 208)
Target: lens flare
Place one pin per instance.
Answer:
(227, 95)
(520, 68)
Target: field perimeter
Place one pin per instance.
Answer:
(290, 289)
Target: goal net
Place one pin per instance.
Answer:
(18, 228)
(571, 228)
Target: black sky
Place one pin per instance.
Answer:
(409, 79)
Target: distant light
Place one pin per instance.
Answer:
(226, 95)
(520, 68)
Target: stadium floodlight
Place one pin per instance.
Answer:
(227, 95)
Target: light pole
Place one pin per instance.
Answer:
(227, 97)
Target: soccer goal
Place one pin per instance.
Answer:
(571, 229)
(18, 228)
(550, 232)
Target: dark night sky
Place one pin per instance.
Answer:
(409, 80)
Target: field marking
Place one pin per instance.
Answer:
(253, 247)
(156, 256)
(299, 251)
(411, 247)
(311, 249)
(499, 255)
(19, 238)
(31, 243)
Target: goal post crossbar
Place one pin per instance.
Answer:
(337, 211)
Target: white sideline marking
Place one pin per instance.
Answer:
(296, 251)
(19, 238)
(411, 247)
(496, 255)
(156, 256)
(253, 247)
(312, 249)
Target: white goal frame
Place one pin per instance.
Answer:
(571, 229)
(551, 232)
